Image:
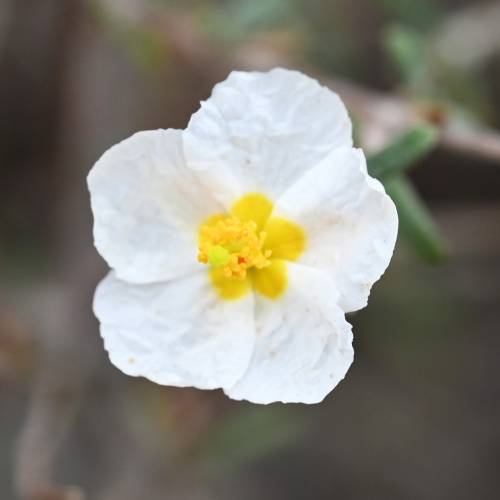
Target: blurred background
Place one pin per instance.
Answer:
(417, 416)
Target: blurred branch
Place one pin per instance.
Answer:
(483, 144)
(60, 310)
(383, 116)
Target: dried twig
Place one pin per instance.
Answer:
(382, 116)
(69, 355)
(385, 116)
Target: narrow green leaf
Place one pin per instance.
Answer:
(406, 49)
(415, 222)
(404, 152)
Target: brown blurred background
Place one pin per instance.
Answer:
(418, 415)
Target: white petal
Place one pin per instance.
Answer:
(147, 207)
(351, 224)
(262, 131)
(175, 333)
(303, 346)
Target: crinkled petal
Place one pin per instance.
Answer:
(176, 333)
(147, 207)
(262, 131)
(350, 223)
(303, 343)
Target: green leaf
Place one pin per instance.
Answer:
(415, 222)
(407, 51)
(403, 153)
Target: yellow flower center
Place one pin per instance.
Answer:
(234, 246)
(248, 248)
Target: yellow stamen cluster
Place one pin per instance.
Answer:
(234, 246)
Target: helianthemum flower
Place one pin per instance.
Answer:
(238, 245)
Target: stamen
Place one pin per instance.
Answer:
(234, 246)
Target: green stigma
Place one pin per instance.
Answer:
(218, 256)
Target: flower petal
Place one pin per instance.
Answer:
(270, 281)
(176, 333)
(303, 346)
(284, 238)
(253, 206)
(265, 130)
(147, 207)
(351, 224)
(227, 288)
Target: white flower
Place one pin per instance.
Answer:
(238, 245)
